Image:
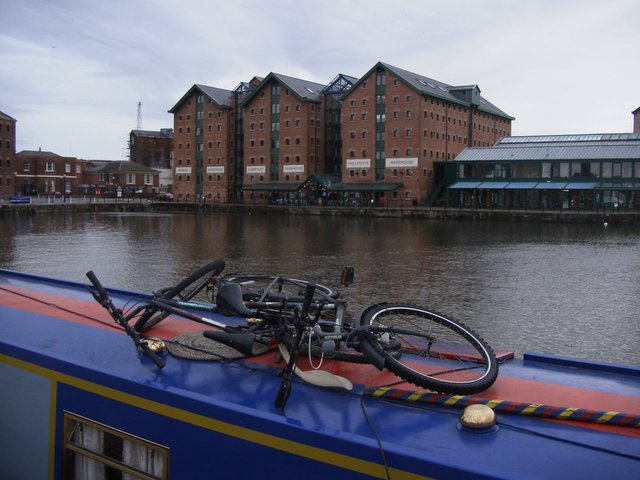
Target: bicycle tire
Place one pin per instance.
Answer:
(437, 352)
(185, 290)
(253, 288)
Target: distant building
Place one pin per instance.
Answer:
(636, 120)
(43, 173)
(204, 130)
(396, 124)
(589, 171)
(7, 155)
(154, 149)
(115, 179)
(365, 141)
(284, 135)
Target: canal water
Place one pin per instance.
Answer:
(571, 290)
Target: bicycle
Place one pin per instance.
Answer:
(418, 345)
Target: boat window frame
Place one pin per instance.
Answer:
(73, 450)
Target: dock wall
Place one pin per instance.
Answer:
(427, 213)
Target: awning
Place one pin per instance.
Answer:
(461, 185)
(273, 187)
(551, 186)
(364, 187)
(618, 186)
(493, 185)
(521, 185)
(580, 185)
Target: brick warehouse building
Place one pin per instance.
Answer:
(154, 149)
(283, 133)
(7, 155)
(204, 144)
(269, 137)
(396, 124)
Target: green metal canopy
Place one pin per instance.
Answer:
(365, 187)
(273, 187)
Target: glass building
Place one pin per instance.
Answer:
(593, 171)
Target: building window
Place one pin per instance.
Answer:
(49, 167)
(93, 450)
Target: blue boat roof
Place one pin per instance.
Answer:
(56, 329)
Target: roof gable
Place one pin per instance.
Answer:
(305, 90)
(223, 98)
(4, 116)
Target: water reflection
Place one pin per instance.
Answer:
(562, 289)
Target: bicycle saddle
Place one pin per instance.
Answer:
(229, 300)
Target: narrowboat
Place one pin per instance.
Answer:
(80, 401)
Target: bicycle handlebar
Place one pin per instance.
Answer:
(104, 300)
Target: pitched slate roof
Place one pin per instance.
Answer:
(120, 166)
(4, 116)
(303, 89)
(435, 88)
(38, 153)
(223, 98)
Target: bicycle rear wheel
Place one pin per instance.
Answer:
(436, 352)
(184, 290)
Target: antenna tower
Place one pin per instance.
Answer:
(139, 115)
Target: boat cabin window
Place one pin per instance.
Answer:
(96, 451)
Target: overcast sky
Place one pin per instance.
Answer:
(72, 72)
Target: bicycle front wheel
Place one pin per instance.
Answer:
(435, 352)
(184, 290)
(275, 288)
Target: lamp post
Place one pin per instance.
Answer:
(64, 187)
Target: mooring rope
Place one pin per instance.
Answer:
(505, 406)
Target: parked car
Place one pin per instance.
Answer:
(165, 196)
